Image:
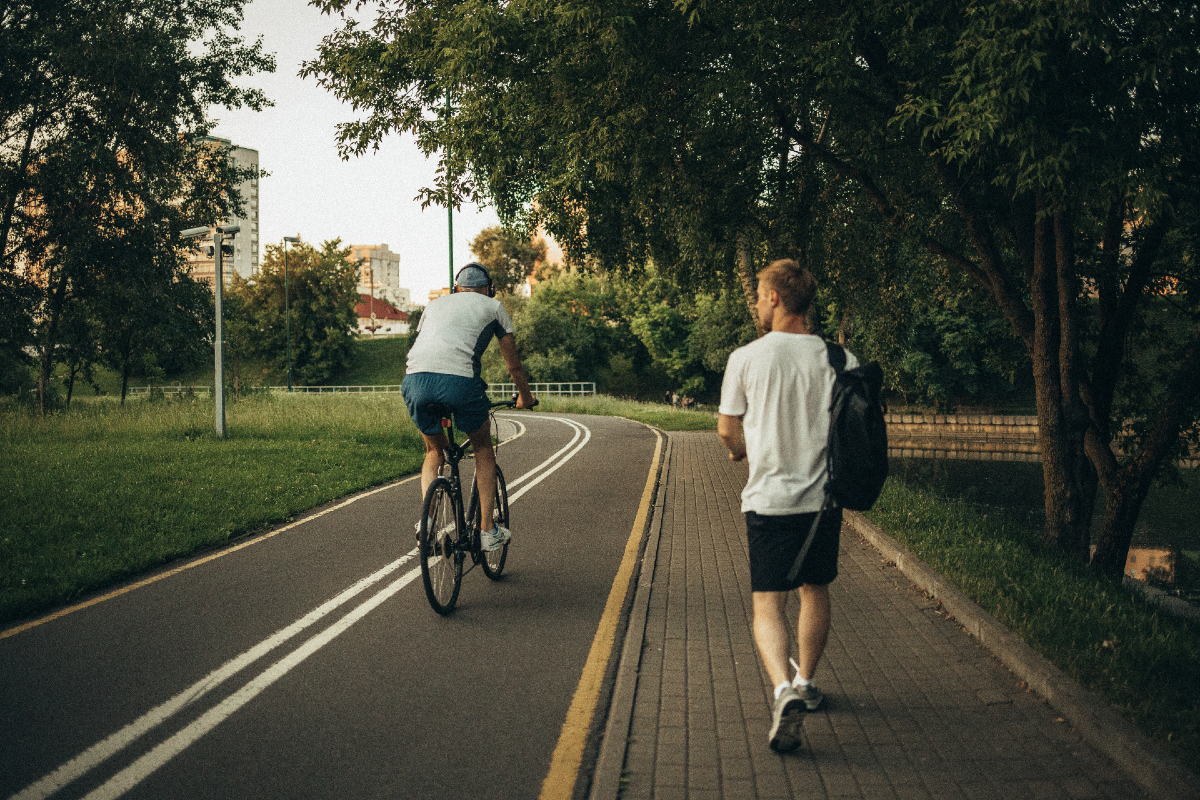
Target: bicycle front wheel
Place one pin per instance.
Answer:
(493, 561)
(441, 555)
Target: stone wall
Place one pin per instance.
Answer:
(976, 437)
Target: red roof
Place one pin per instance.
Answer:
(382, 308)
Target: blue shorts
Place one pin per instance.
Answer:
(468, 397)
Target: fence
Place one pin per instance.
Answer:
(574, 389)
(577, 389)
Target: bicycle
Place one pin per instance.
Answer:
(446, 537)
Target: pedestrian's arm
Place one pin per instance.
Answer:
(508, 349)
(730, 430)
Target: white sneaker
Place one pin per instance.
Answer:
(810, 695)
(786, 720)
(494, 539)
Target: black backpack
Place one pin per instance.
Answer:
(857, 462)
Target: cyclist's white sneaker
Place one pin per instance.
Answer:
(494, 539)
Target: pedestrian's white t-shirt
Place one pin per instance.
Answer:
(781, 386)
(454, 331)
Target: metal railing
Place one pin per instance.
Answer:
(563, 389)
(177, 389)
(323, 389)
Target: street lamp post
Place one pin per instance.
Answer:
(218, 236)
(449, 200)
(287, 316)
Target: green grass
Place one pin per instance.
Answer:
(105, 492)
(377, 362)
(1107, 637)
(656, 414)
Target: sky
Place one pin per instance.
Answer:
(311, 191)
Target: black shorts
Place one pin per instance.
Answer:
(775, 541)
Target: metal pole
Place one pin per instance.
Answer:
(449, 199)
(218, 345)
(287, 309)
(287, 315)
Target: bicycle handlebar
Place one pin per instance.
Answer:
(509, 403)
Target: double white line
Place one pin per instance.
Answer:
(140, 769)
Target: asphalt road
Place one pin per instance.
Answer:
(308, 664)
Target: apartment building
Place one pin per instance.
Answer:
(379, 274)
(245, 244)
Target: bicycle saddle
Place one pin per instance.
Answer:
(445, 410)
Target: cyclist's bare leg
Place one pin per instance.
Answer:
(485, 473)
(433, 459)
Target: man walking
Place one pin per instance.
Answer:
(775, 412)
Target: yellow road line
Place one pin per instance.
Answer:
(568, 754)
(211, 557)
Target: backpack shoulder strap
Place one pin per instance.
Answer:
(837, 357)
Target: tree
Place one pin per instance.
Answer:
(101, 139)
(628, 135)
(321, 295)
(1062, 138)
(1046, 153)
(509, 258)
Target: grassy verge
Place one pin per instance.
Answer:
(656, 414)
(1103, 635)
(106, 492)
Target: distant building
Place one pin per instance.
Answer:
(1144, 563)
(434, 294)
(245, 244)
(377, 317)
(379, 274)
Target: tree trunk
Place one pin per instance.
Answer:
(1122, 503)
(49, 342)
(747, 277)
(1126, 487)
(71, 384)
(10, 201)
(1060, 445)
(846, 326)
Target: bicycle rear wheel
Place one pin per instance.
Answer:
(441, 555)
(493, 561)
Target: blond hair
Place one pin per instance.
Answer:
(795, 284)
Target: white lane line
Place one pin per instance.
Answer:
(107, 748)
(574, 425)
(587, 437)
(140, 769)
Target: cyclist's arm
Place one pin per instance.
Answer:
(508, 349)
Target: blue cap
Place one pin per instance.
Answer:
(473, 276)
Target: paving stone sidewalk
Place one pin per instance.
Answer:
(915, 707)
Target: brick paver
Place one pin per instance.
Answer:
(915, 707)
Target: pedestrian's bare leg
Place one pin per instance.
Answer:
(485, 473)
(812, 629)
(771, 633)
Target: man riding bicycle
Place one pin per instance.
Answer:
(443, 367)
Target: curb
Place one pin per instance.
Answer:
(610, 761)
(1159, 775)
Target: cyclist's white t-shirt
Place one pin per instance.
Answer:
(781, 386)
(453, 332)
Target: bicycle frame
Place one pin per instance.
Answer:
(452, 454)
(443, 552)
